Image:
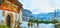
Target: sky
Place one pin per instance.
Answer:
(40, 6)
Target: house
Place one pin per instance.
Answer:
(11, 9)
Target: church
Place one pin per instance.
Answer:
(11, 11)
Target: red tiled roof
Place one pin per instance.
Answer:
(16, 2)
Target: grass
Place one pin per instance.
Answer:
(3, 26)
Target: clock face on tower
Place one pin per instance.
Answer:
(1, 1)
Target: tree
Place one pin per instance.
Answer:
(41, 21)
(30, 22)
(47, 22)
(54, 21)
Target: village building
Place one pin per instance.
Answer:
(11, 11)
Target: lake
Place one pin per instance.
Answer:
(42, 25)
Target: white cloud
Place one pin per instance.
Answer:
(40, 6)
(57, 6)
(43, 6)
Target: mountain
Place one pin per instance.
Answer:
(39, 16)
(58, 14)
(26, 14)
(42, 16)
(48, 16)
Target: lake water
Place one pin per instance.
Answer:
(24, 25)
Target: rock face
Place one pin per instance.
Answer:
(26, 14)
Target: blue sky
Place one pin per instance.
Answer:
(40, 6)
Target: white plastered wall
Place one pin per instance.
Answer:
(14, 16)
